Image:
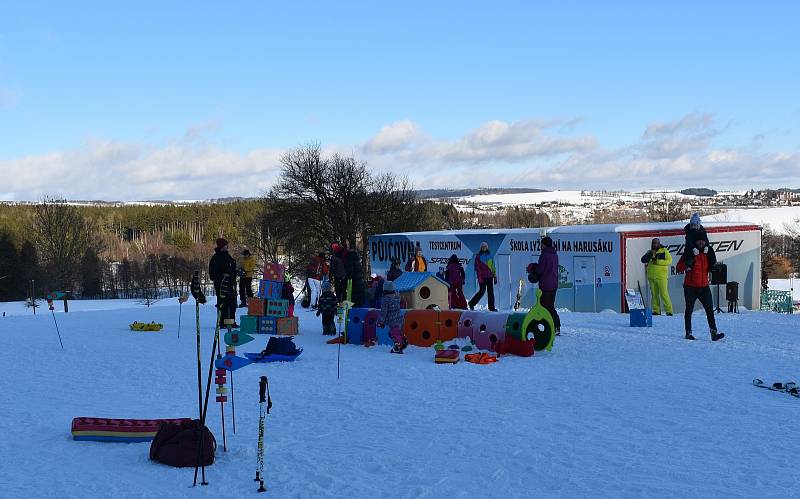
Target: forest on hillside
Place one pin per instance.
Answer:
(150, 251)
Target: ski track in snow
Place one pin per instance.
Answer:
(612, 411)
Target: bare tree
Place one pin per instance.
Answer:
(667, 209)
(61, 234)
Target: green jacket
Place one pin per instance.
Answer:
(658, 267)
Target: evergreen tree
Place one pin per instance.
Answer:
(9, 265)
(91, 275)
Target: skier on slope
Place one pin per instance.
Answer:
(658, 261)
(222, 264)
(696, 287)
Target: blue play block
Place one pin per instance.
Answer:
(383, 332)
(355, 325)
(641, 317)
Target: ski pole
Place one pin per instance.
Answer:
(263, 397)
(199, 298)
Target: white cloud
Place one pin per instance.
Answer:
(491, 142)
(103, 169)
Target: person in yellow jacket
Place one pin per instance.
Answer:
(658, 261)
(247, 270)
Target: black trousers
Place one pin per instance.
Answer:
(340, 288)
(245, 288)
(486, 285)
(548, 301)
(328, 325)
(227, 306)
(692, 294)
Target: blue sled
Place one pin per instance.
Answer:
(257, 358)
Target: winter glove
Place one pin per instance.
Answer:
(695, 251)
(705, 250)
(317, 312)
(495, 279)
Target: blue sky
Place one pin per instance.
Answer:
(191, 100)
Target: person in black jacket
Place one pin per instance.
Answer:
(694, 232)
(327, 308)
(223, 264)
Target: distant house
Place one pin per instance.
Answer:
(421, 290)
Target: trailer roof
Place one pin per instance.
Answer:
(586, 229)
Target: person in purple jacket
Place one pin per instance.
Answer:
(487, 278)
(547, 269)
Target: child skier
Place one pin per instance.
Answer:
(287, 293)
(390, 316)
(327, 307)
(694, 232)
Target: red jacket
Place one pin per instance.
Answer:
(697, 276)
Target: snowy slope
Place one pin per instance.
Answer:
(612, 411)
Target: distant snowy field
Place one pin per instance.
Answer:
(777, 219)
(612, 411)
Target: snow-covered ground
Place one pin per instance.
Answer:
(612, 411)
(777, 219)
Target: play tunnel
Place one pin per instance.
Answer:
(514, 325)
(448, 324)
(420, 327)
(489, 329)
(371, 325)
(539, 325)
(355, 325)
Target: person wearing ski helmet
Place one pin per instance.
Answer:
(658, 261)
(487, 278)
(222, 264)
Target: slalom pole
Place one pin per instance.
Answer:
(57, 331)
(52, 311)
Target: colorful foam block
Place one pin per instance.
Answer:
(420, 327)
(269, 289)
(446, 357)
(514, 325)
(641, 317)
(273, 272)
(287, 325)
(448, 324)
(118, 430)
(248, 324)
(466, 323)
(277, 308)
(267, 325)
(355, 325)
(371, 325)
(256, 306)
(539, 325)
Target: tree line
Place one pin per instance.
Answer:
(150, 251)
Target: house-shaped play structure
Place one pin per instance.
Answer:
(422, 290)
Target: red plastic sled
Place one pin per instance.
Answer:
(118, 430)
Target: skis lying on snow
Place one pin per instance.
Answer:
(789, 387)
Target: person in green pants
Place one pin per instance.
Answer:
(658, 261)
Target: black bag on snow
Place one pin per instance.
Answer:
(177, 445)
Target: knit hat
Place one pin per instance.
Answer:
(695, 220)
(388, 287)
(221, 243)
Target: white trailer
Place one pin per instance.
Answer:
(596, 262)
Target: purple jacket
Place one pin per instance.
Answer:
(454, 273)
(484, 270)
(548, 269)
